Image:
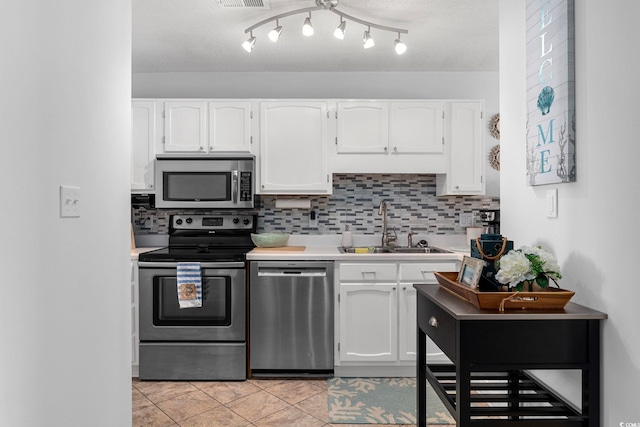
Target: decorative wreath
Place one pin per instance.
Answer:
(494, 157)
(494, 126)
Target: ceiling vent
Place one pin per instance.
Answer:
(244, 4)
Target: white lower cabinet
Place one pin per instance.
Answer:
(135, 337)
(364, 337)
(376, 332)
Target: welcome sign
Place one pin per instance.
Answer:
(551, 141)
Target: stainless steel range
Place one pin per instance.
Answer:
(207, 342)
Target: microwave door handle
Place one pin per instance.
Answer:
(234, 186)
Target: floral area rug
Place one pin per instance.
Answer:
(381, 401)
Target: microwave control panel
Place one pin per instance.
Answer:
(245, 187)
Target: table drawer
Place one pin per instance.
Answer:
(438, 325)
(368, 272)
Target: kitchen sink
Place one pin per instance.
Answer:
(367, 250)
(427, 250)
(393, 250)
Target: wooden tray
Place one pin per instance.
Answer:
(553, 299)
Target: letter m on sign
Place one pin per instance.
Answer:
(548, 138)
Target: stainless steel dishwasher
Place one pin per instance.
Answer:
(291, 318)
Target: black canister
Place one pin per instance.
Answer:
(490, 247)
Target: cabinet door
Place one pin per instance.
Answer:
(416, 127)
(467, 159)
(368, 322)
(363, 127)
(293, 148)
(407, 319)
(229, 126)
(185, 126)
(143, 139)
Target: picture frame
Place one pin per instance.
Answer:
(470, 272)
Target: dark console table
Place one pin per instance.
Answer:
(488, 382)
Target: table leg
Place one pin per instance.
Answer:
(421, 377)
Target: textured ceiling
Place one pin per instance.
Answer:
(200, 35)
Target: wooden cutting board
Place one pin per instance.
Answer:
(281, 249)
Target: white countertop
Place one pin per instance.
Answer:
(325, 248)
(331, 253)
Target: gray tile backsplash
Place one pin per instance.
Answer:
(411, 201)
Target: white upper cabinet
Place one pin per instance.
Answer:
(465, 174)
(399, 136)
(230, 126)
(207, 126)
(293, 148)
(185, 128)
(143, 140)
(416, 128)
(363, 127)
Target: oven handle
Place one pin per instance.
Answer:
(218, 265)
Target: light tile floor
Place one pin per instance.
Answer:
(255, 402)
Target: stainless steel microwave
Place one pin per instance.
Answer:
(205, 182)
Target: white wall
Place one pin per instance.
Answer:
(367, 85)
(64, 119)
(595, 235)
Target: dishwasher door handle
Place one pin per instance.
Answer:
(292, 273)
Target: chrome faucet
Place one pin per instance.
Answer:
(386, 238)
(410, 238)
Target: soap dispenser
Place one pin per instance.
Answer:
(347, 239)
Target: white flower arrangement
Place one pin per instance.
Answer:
(527, 264)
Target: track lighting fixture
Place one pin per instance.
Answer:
(339, 33)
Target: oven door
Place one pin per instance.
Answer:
(221, 317)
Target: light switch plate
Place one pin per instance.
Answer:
(69, 202)
(552, 203)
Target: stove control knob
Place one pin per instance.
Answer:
(178, 221)
(246, 221)
(236, 220)
(189, 220)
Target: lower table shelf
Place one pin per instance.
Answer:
(505, 396)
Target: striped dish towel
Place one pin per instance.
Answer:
(189, 284)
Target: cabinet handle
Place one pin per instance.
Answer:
(385, 148)
(404, 288)
(368, 272)
(394, 288)
(395, 149)
(201, 148)
(433, 322)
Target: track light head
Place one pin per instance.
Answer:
(339, 31)
(400, 47)
(307, 28)
(368, 40)
(274, 35)
(249, 43)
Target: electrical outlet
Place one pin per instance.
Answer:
(69, 202)
(313, 219)
(465, 219)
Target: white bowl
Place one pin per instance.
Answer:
(270, 240)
